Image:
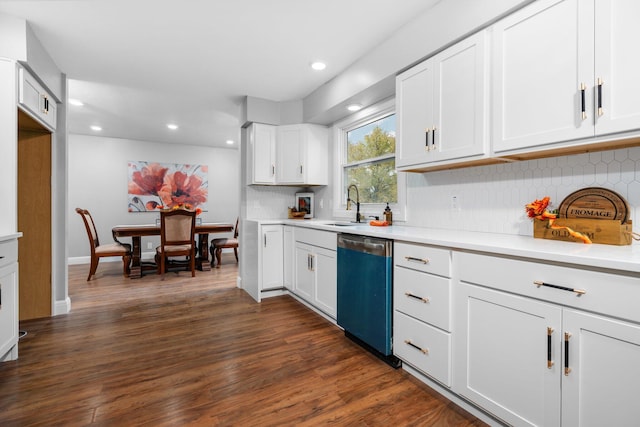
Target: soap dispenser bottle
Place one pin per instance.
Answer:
(388, 215)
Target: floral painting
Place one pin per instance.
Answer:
(168, 185)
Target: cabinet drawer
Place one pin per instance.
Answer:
(423, 347)
(423, 258)
(606, 293)
(323, 239)
(8, 252)
(423, 296)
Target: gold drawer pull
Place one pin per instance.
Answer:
(567, 369)
(423, 350)
(539, 283)
(414, 259)
(410, 295)
(549, 334)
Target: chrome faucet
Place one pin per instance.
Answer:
(357, 201)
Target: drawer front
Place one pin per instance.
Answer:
(423, 258)
(423, 296)
(8, 252)
(422, 346)
(606, 293)
(323, 239)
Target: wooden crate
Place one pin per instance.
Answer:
(604, 231)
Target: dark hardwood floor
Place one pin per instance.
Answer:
(199, 351)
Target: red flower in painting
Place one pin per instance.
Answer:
(180, 188)
(148, 181)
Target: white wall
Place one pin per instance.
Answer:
(98, 182)
(492, 198)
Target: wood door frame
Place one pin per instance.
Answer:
(34, 218)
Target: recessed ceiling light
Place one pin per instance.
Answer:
(229, 141)
(318, 66)
(96, 128)
(172, 126)
(76, 102)
(354, 107)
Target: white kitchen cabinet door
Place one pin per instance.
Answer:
(617, 66)
(272, 256)
(302, 153)
(325, 269)
(288, 262)
(542, 55)
(36, 100)
(9, 312)
(414, 114)
(304, 277)
(262, 140)
(441, 106)
(461, 84)
(603, 385)
(501, 355)
(291, 151)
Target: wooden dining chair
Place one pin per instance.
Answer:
(110, 249)
(177, 233)
(217, 245)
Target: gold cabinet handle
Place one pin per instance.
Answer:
(583, 100)
(422, 350)
(423, 299)
(600, 83)
(433, 139)
(419, 260)
(539, 283)
(426, 139)
(567, 369)
(549, 334)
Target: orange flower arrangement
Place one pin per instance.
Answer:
(538, 210)
(185, 206)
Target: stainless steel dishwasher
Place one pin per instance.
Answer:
(365, 293)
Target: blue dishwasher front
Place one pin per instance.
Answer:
(365, 290)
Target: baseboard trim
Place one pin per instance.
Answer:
(62, 307)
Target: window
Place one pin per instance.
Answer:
(371, 162)
(365, 153)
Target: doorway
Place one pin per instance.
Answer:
(34, 218)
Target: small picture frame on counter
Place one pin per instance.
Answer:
(304, 203)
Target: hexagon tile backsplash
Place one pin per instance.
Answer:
(492, 198)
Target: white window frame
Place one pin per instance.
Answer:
(339, 131)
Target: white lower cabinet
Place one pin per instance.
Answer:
(545, 361)
(288, 252)
(422, 309)
(604, 382)
(271, 254)
(8, 300)
(315, 278)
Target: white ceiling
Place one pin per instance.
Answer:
(140, 64)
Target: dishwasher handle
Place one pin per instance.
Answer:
(369, 245)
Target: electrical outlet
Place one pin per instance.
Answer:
(321, 203)
(149, 245)
(455, 203)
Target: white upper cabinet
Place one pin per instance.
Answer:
(289, 155)
(617, 66)
(262, 143)
(549, 83)
(302, 155)
(33, 98)
(442, 107)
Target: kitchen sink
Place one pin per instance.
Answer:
(345, 223)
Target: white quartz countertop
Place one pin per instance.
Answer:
(621, 258)
(4, 238)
